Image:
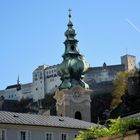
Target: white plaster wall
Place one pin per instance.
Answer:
(37, 132)
(38, 89)
(12, 94)
(52, 80)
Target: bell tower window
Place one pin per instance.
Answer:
(72, 47)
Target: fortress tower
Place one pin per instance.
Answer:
(129, 62)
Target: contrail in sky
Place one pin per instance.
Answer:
(133, 25)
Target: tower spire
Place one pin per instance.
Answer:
(71, 41)
(74, 65)
(70, 23)
(18, 81)
(18, 84)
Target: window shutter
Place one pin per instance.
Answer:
(18, 135)
(0, 135)
(29, 135)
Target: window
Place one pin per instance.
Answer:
(72, 47)
(24, 135)
(48, 136)
(75, 135)
(52, 79)
(63, 136)
(35, 77)
(2, 134)
(41, 76)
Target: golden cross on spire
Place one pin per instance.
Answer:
(69, 13)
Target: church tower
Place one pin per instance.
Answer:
(73, 96)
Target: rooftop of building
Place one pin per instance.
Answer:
(118, 67)
(26, 85)
(51, 67)
(13, 86)
(40, 120)
(128, 55)
(44, 66)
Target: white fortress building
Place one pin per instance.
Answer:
(46, 80)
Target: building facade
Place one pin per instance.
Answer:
(20, 126)
(45, 81)
(107, 73)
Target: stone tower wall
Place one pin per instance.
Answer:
(129, 61)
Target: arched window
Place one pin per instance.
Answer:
(78, 115)
(72, 47)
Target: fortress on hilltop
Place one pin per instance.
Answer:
(46, 79)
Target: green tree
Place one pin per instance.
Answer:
(115, 127)
(22, 105)
(49, 103)
(120, 87)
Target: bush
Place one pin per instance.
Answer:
(115, 127)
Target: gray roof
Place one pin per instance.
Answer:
(128, 55)
(40, 120)
(112, 69)
(13, 86)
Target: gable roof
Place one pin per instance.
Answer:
(13, 86)
(40, 120)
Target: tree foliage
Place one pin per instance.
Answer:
(23, 105)
(115, 127)
(49, 103)
(102, 102)
(120, 87)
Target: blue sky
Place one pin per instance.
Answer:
(32, 33)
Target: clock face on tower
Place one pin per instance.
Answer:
(76, 95)
(76, 92)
